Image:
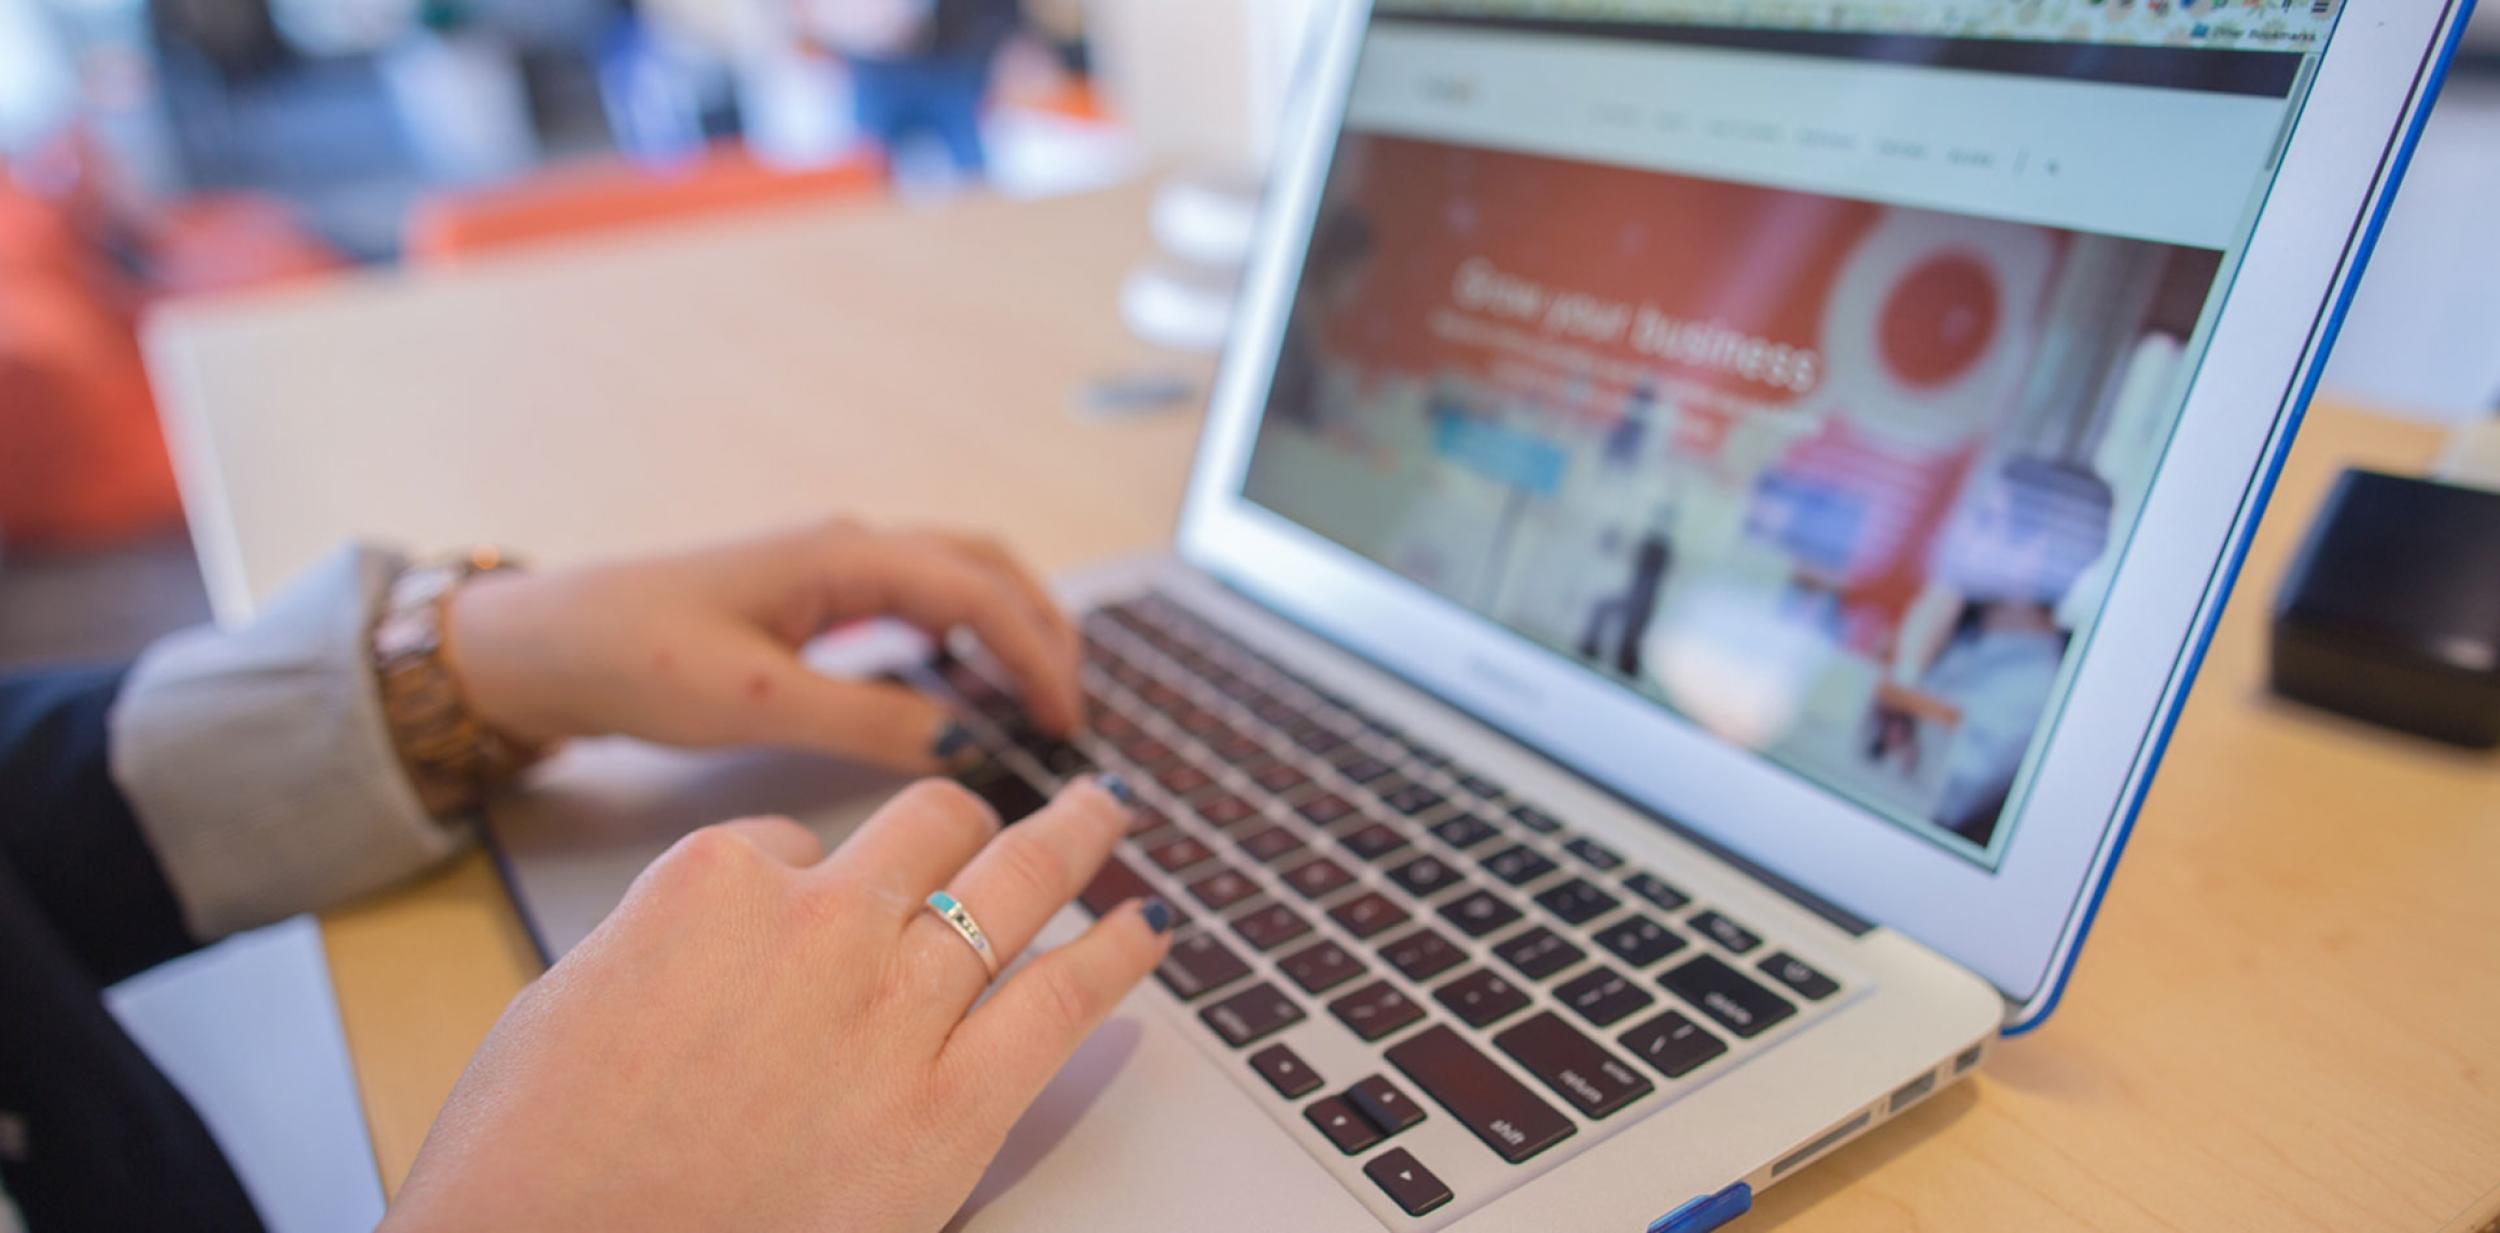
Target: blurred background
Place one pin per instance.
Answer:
(155, 149)
(161, 150)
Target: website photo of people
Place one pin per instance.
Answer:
(1838, 481)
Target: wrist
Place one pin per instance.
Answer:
(454, 754)
(502, 665)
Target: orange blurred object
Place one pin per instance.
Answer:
(82, 458)
(614, 195)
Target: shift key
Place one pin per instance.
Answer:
(1515, 1122)
(1578, 1069)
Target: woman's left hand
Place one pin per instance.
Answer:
(701, 649)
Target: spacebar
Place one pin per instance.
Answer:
(1515, 1122)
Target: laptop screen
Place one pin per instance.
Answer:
(1803, 372)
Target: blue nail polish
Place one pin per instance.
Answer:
(951, 742)
(1119, 789)
(1158, 915)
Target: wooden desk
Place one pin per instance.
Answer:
(2289, 1018)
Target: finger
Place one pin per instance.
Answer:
(1027, 583)
(1021, 1037)
(1018, 882)
(916, 844)
(779, 838)
(942, 590)
(779, 700)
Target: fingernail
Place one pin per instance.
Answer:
(1118, 788)
(951, 741)
(1158, 915)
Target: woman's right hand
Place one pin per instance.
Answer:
(765, 1037)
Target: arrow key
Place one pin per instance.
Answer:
(1285, 1071)
(1388, 1108)
(1408, 1182)
(1349, 1130)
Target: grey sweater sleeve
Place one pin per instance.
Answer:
(258, 762)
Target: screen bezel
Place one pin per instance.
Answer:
(2017, 925)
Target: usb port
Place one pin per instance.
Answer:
(1912, 1092)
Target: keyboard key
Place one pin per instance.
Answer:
(1535, 819)
(1223, 810)
(1793, 972)
(1253, 1014)
(1383, 1105)
(1374, 841)
(1602, 997)
(1271, 926)
(1464, 831)
(1198, 721)
(1727, 995)
(1480, 997)
(1003, 790)
(1368, 914)
(1147, 752)
(1223, 888)
(1673, 1044)
(1639, 941)
(1480, 913)
(1726, 932)
(1657, 891)
(1390, 785)
(1413, 799)
(1285, 1071)
(1324, 809)
(1515, 1122)
(1577, 902)
(1363, 768)
(1181, 779)
(1276, 712)
(1424, 876)
(1375, 1010)
(1174, 855)
(1349, 1130)
(1320, 967)
(1060, 758)
(1595, 853)
(1235, 748)
(1539, 953)
(1144, 820)
(1271, 844)
(1318, 878)
(1518, 864)
(1314, 738)
(1581, 1071)
(1115, 885)
(1112, 726)
(1409, 1185)
(1422, 955)
(1280, 778)
(1198, 965)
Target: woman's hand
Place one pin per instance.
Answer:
(701, 649)
(765, 1038)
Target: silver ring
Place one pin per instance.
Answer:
(953, 912)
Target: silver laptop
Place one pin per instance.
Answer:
(1708, 515)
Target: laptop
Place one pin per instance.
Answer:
(1707, 517)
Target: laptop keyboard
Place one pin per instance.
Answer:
(1332, 873)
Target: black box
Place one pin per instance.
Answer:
(2392, 610)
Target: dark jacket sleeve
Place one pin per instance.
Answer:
(80, 856)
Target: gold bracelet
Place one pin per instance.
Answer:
(453, 759)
